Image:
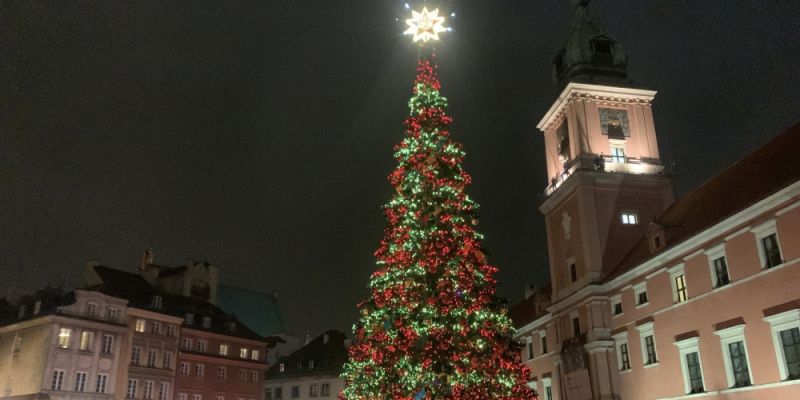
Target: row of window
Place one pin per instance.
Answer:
(769, 253)
(196, 396)
(152, 358)
(206, 323)
(547, 387)
(148, 390)
(245, 375)
(311, 365)
(81, 382)
(87, 341)
(786, 334)
(542, 345)
(155, 328)
(224, 349)
(314, 390)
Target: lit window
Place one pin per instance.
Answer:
(617, 154)
(63, 337)
(107, 346)
(80, 381)
(223, 349)
(100, 385)
(255, 355)
(629, 218)
(678, 277)
(243, 353)
(140, 325)
(648, 343)
(281, 367)
(87, 339)
(786, 338)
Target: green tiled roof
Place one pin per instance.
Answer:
(259, 311)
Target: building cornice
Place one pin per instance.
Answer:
(583, 91)
(138, 312)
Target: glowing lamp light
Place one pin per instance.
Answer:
(426, 25)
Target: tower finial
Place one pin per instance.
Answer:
(148, 257)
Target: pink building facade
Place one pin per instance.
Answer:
(652, 297)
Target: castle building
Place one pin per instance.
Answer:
(653, 297)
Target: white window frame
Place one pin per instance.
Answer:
(64, 338)
(546, 383)
(713, 254)
(617, 144)
(620, 339)
(107, 344)
(543, 337)
(688, 346)
(629, 217)
(639, 288)
(647, 329)
(732, 335)
(781, 322)
(224, 349)
(529, 350)
(762, 231)
(86, 342)
(81, 381)
(674, 273)
(140, 326)
(100, 383)
(255, 355)
(92, 309)
(614, 300)
(200, 369)
(112, 313)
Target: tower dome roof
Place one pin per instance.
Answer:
(589, 55)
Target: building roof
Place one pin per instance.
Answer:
(260, 311)
(525, 311)
(328, 357)
(139, 293)
(749, 180)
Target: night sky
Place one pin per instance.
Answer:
(257, 135)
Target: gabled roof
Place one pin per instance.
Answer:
(328, 357)
(749, 180)
(525, 311)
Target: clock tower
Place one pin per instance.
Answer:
(606, 181)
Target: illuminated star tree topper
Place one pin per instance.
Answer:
(425, 25)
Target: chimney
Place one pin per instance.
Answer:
(147, 259)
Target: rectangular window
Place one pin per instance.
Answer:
(136, 355)
(529, 345)
(17, 345)
(80, 382)
(721, 272)
(650, 349)
(629, 218)
(151, 358)
(268, 394)
(772, 253)
(155, 328)
(140, 325)
(171, 330)
(281, 367)
(58, 380)
(548, 389)
(113, 314)
(185, 368)
(202, 346)
(242, 375)
(255, 355)
(148, 390)
(199, 369)
(790, 343)
(680, 288)
(738, 359)
(100, 385)
(206, 322)
(87, 339)
(625, 361)
(131, 392)
(253, 376)
(695, 375)
(163, 391)
(617, 154)
(278, 393)
(183, 396)
(642, 298)
(186, 344)
(573, 272)
(167, 362)
(107, 345)
(576, 326)
(223, 349)
(189, 319)
(326, 389)
(243, 353)
(63, 337)
(91, 309)
(617, 308)
(222, 373)
(157, 302)
(543, 339)
(313, 390)
(295, 392)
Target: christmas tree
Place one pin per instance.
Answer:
(432, 327)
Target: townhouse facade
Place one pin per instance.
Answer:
(652, 297)
(311, 372)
